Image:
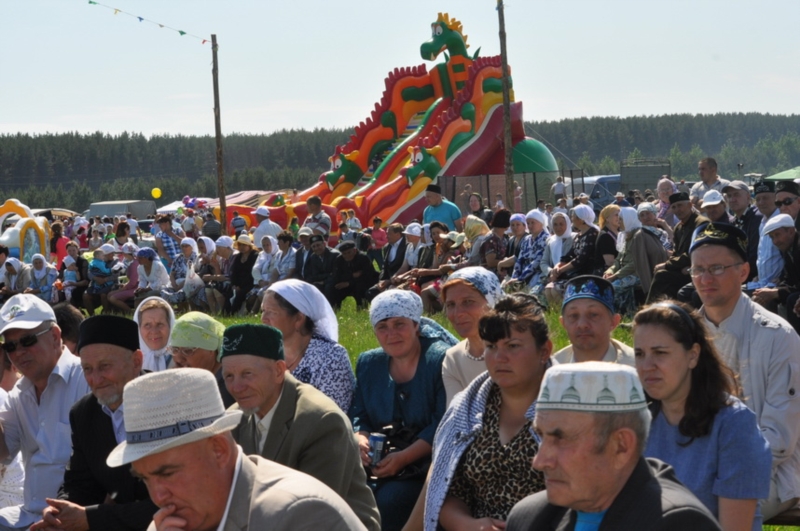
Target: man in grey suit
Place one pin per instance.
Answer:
(179, 443)
(290, 422)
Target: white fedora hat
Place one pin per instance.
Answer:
(168, 409)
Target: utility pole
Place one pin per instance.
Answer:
(218, 129)
(509, 160)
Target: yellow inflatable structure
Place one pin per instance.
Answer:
(28, 235)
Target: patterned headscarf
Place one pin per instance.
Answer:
(395, 303)
(482, 280)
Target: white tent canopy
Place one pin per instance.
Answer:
(171, 208)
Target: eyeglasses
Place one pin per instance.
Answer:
(715, 270)
(183, 351)
(786, 201)
(25, 341)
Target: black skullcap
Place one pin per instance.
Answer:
(723, 234)
(347, 245)
(761, 186)
(680, 196)
(435, 188)
(316, 238)
(253, 339)
(790, 187)
(110, 330)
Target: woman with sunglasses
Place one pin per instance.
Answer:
(710, 437)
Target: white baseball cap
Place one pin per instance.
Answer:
(712, 197)
(24, 312)
(413, 229)
(262, 211)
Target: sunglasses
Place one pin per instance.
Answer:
(25, 341)
(786, 202)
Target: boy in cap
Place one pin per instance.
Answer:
(179, 444)
(760, 347)
(292, 423)
(592, 419)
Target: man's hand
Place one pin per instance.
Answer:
(764, 296)
(363, 449)
(659, 267)
(62, 515)
(390, 466)
(166, 522)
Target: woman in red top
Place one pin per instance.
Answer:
(58, 244)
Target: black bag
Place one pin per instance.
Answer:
(399, 438)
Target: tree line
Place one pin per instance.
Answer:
(73, 170)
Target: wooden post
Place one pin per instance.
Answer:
(218, 129)
(509, 159)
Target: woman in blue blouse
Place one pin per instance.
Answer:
(400, 383)
(710, 438)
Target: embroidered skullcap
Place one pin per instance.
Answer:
(761, 186)
(482, 280)
(589, 287)
(790, 187)
(309, 301)
(197, 330)
(723, 234)
(395, 303)
(253, 339)
(538, 215)
(110, 330)
(591, 387)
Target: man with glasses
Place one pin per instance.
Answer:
(759, 346)
(787, 199)
(109, 352)
(709, 180)
(35, 420)
(769, 262)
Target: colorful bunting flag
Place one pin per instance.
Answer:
(142, 19)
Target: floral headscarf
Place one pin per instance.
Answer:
(482, 280)
(395, 303)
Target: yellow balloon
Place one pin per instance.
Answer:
(156, 192)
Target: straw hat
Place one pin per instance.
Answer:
(170, 408)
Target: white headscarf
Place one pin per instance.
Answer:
(555, 242)
(395, 303)
(586, 214)
(12, 279)
(310, 302)
(210, 245)
(39, 274)
(155, 360)
(191, 243)
(630, 220)
(482, 280)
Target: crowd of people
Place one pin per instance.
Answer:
(172, 420)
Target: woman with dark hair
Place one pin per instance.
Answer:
(58, 244)
(477, 209)
(495, 246)
(699, 427)
(121, 237)
(310, 338)
(484, 445)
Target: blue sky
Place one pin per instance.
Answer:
(66, 65)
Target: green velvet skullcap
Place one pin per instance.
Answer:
(197, 330)
(254, 339)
